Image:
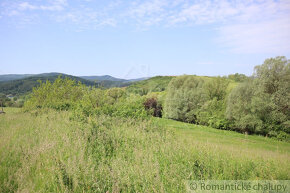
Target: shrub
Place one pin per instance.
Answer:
(114, 94)
(238, 77)
(92, 100)
(66, 94)
(131, 106)
(60, 95)
(212, 114)
(152, 105)
(111, 102)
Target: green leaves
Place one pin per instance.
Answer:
(198, 100)
(258, 105)
(262, 105)
(60, 95)
(184, 97)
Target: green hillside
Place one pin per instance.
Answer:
(72, 138)
(24, 85)
(155, 84)
(111, 84)
(160, 83)
(102, 78)
(21, 84)
(9, 77)
(110, 78)
(50, 151)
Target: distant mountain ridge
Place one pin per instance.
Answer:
(9, 77)
(111, 78)
(104, 77)
(24, 85)
(18, 84)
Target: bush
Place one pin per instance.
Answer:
(63, 94)
(131, 106)
(66, 94)
(114, 94)
(238, 77)
(152, 105)
(212, 114)
(92, 100)
(111, 102)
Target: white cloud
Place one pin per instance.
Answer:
(173, 12)
(147, 8)
(247, 26)
(260, 28)
(26, 6)
(244, 26)
(13, 13)
(148, 13)
(88, 19)
(55, 5)
(262, 37)
(23, 13)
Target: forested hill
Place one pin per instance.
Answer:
(24, 85)
(154, 84)
(160, 83)
(103, 78)
(9, 77)
(19, 84)
(111, 78)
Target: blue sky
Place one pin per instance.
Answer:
(130, 39)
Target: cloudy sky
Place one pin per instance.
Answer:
(130, 39)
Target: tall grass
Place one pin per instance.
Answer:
(48, 151)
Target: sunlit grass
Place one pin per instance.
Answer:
(49, 152)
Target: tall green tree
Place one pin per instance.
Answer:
(262, 104)
(212, 113)
(272, 94)
(185, 96)
(216, 88)
(239, 108)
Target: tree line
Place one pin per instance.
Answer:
(258, 105)
(253, 105)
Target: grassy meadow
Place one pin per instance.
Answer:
(49, 151)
